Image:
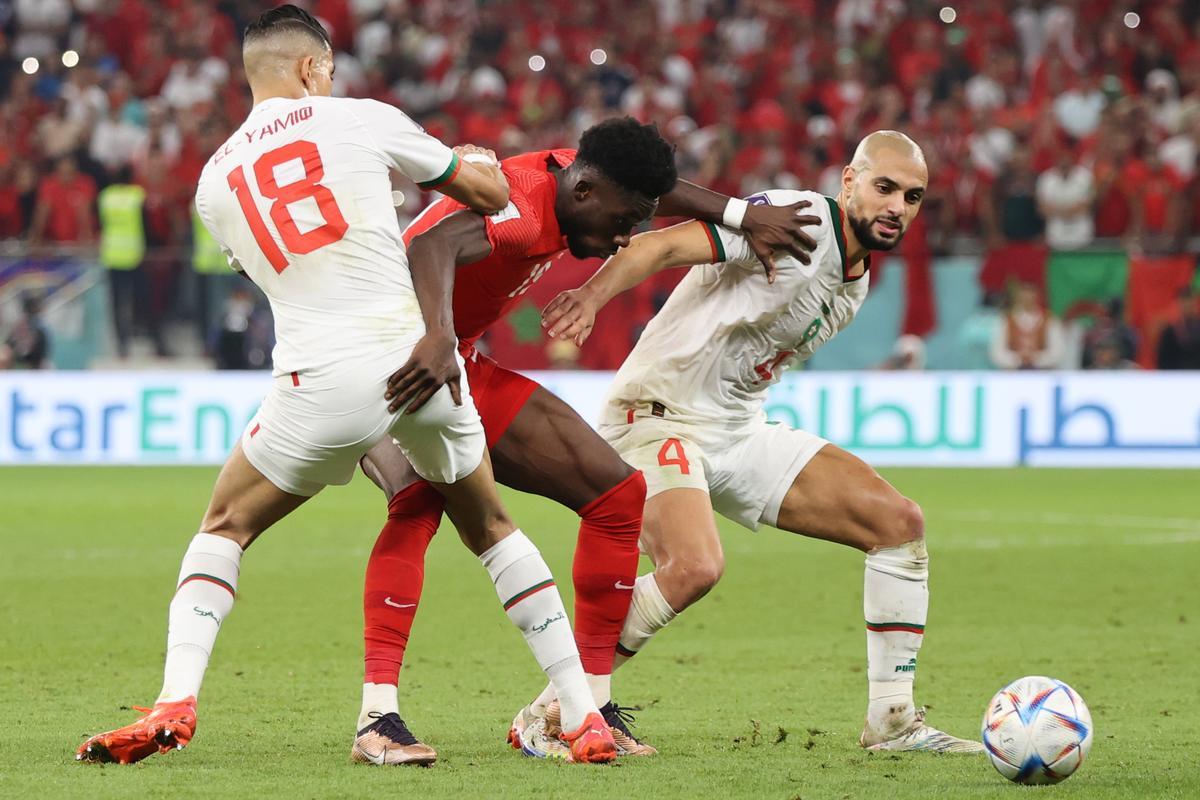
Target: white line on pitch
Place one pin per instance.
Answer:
(1065, 518)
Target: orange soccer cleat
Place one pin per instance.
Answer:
(167, 726)
(592, 742)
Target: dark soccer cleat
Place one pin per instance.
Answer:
(619, 719)
(389, 741)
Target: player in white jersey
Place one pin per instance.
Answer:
(300, 200)
(686, 408)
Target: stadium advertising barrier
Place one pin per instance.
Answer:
(888, 418)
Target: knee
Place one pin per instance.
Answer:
(621, 505)
(903, 522)
(694, 576)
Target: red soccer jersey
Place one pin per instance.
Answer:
(525, 241)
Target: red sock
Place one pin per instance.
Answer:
(605, 556)
(395, 573)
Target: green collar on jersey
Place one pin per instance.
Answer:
(836, 217)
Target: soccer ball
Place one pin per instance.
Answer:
(1037, 730)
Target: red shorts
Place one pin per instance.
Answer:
(499, 393)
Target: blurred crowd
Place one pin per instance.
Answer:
(1045, 121)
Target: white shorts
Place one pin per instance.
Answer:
(312, 429)
(746, 469)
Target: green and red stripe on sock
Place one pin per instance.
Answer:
(532, 590)
(202, 576)
(895, 627)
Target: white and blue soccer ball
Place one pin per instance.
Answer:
(1037, 730)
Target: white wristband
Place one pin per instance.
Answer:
(480, 158)
(735, 212)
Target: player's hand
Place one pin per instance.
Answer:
(571, 315)
(431, 366)
(465, 150)
(771, 228)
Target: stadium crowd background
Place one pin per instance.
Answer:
(1062, 139)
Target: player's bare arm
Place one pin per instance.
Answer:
(767, 228)
(572, 314)
(458, 239)
(479, 184)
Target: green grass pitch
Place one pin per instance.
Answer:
(758, 691)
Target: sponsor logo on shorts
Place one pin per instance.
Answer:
(620, 585)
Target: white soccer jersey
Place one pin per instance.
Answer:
(725, 334)
(300, 198)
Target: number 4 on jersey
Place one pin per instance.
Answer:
(679, 459)
(335, 226)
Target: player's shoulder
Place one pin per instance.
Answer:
(819, 204)
(366, 110)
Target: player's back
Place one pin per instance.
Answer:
(299, 197)
(525, 237)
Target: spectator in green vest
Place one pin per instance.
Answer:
(122, 251)
(215, 281)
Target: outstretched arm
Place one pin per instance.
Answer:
(572, 314)
(767, 228)
(479, 184)
(458, 239)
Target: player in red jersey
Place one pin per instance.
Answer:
(586, 202)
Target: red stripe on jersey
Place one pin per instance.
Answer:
(255, 429)
(295, 379)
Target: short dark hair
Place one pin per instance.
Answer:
(290, 19)
(632, 155)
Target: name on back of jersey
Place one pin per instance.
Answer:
(293, 117)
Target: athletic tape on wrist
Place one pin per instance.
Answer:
(735, 212)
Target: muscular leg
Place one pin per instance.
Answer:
(522, 580)
(839, 498)
(549, 450)
(394, 579)
(243, 505)
(679, 533)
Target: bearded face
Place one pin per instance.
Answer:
(883, 198)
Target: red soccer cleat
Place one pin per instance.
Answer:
(168, 726)
(592, 742)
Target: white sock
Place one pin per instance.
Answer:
(538, 706)
(600, 686)
(207, 584)
(531, 600)
(649, 613)
(378, 698)
(895, 604)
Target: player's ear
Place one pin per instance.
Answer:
(848, 176)
(306, 69)
(583, 188)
